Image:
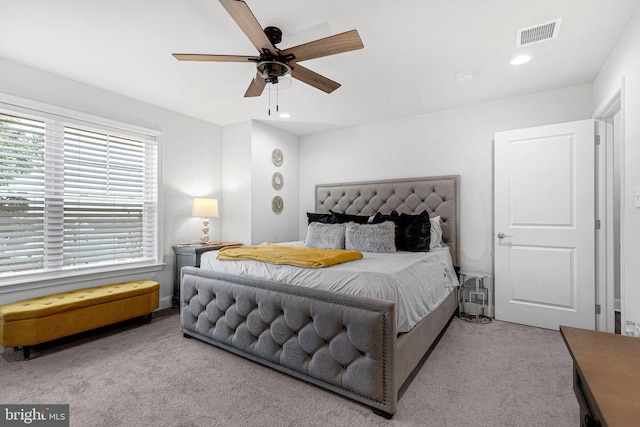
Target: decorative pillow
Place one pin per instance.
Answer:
(414, 232)
(371, 237)
(325, 236)
(343, 218)
(393, 217)
(324, 218)
(436, 233)
(379, 217)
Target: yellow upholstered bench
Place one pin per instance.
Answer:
(37, 320)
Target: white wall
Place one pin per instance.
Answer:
(235, 208)
(191, 151)
(452, 142)
(624, 63)
(247, 215)
(268, 226)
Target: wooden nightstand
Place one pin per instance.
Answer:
(189, 255)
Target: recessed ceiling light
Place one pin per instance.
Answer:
(285, 115)
(464, 76)
(522, 59)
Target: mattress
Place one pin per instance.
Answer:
(418, 282)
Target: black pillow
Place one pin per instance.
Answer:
(380, 217)
(342, 218)
(393, 217)
(324, 218)
(414, 232)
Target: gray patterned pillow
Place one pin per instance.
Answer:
(371, 237)
(325, 236)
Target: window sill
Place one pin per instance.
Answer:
(59, 278)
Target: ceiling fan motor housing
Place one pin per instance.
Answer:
(272, 67)
(274, 34)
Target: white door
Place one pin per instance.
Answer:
(544, 222)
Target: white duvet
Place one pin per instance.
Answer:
(416, 281)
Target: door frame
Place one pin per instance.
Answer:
(612, 105)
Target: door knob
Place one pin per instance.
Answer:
(501, 235)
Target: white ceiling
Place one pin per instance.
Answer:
(413, 51)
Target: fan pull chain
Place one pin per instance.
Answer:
(277, 98)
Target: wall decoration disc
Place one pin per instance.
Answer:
(277, 204)
(277, 157)
(277, 181)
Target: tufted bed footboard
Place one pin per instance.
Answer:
(342, 343)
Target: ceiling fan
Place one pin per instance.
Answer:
(273, 64)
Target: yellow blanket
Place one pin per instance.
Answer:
(291, 255)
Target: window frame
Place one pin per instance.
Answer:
(16, 106)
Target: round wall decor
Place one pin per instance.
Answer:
(277, 204)
(277, 181)
(277, 157)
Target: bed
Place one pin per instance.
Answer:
(353, 345)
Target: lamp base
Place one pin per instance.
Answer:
(205, 230)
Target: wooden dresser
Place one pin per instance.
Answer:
(606, 376)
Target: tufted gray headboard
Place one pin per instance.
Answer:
(438, 195)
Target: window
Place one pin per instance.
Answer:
(75, 196)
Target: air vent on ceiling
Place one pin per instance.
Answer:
(538, 33)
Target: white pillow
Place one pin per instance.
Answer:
(436, 233)
(380, 238)
(325, 236)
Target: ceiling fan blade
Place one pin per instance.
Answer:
(255, 87)
(248, 23)
(312, 78)
(214, 58)
(339, 43)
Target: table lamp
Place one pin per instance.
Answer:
(205, 208)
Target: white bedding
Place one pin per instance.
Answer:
(416, 281)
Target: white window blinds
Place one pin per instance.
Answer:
(22, 183)
(74, 196)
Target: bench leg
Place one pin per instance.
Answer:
(147, 318)
(26, 351)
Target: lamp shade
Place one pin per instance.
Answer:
(206, 208)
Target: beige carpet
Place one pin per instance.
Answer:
(496, 374)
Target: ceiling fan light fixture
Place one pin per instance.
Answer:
(272, 70)
(284, 82)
